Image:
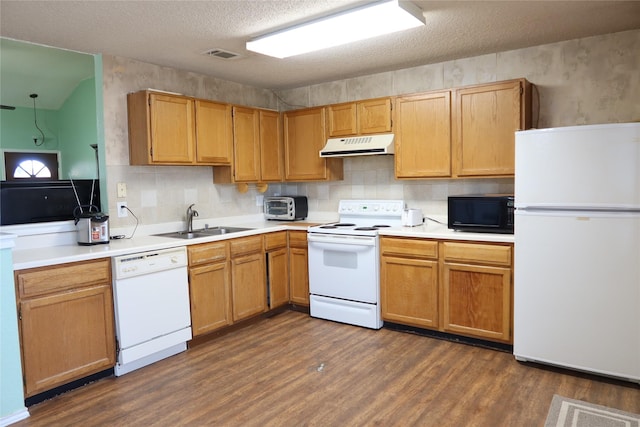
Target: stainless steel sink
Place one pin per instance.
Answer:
(203, 232)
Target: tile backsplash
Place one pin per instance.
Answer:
(584, 81)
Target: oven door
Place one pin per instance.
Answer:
(344, 267)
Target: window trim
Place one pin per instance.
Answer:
(55, 172)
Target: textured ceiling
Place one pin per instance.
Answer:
(176, 33)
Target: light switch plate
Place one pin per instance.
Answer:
(259, 200)
(122, 189)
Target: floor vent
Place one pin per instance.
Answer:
(222, 54)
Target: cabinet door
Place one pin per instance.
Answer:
(246, 141)
(271, 148)
(477, 301)
(423, 135)
(214, 133)
(278, 277)
(172, 129)
(304, 137)
(374, 116)
(299, 279)
(341, 119)
(210, 297)
(409, 291)
(248, 287)
(66, 336)
(487, 117)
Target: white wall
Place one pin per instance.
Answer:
(584, 81)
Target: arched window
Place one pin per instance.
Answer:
(32, 169)
(30, 166)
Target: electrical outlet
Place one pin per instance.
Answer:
(259, 200)
(122, 189)
(122, 209)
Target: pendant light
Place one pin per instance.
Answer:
(35, 120)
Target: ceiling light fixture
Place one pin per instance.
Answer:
(382, 17)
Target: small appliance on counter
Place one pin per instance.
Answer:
(488, 213)
(92, 226)
(286, 208)
(412, 217)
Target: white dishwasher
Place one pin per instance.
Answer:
(151, 302)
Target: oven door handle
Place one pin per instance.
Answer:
(338, 243)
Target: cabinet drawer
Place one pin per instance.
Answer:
(298, 239)
(44, 280)
(476, 252)
(409, 248)
(207, 252)
(246, 245)
(275, 240)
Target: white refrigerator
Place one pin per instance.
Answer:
(577, 248)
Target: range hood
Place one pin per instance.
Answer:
(358, 146)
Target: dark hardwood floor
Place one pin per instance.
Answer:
(293, 370)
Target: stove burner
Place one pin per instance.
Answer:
(365, 228)
(381, 225)
(328, 226)
(343, 224)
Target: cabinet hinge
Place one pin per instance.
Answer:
(24, 381)
(521, 90)
(117, 348)
(19, 314)
(151, 152)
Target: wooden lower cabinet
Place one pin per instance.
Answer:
(477, 290)
(277, 268)
(248, 279)
(462, 288)
(66, 323)
(409, 281)
(298, 268)
(209, 287)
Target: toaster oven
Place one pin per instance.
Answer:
(286, 208)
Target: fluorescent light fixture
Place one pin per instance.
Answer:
(382, 17)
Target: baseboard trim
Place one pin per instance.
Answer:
(15, 417)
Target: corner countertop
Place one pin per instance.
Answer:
(52, 255)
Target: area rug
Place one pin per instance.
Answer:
(566, 412)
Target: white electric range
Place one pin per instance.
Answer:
(344, 262)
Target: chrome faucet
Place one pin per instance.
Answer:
(190, 214)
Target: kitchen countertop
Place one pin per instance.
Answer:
(434, 230)
(51, 255)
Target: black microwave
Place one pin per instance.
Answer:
(490, 213)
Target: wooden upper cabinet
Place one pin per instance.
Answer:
(359, 118)
(486, 119)
(169, 129)
(271, 147)
(342, 119)
(423, 135)
(257, 145)
(374, 116)
(304, 137)
(246, 139)
(161, 129)
(214, 133)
